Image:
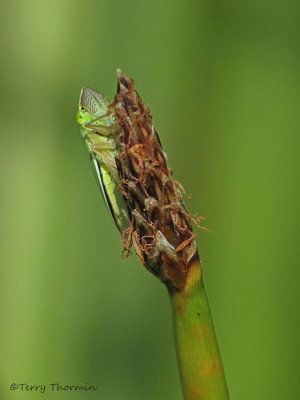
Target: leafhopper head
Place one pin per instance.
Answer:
(92, 106)
(92, 102)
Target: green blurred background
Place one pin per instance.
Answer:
(222, 82)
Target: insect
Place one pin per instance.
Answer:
(100, 131)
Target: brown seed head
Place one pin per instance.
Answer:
(160, 227)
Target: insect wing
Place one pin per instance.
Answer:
(99, 177)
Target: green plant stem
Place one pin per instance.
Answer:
(199, 360)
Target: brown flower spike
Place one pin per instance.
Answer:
(160, 227)
(147, 208)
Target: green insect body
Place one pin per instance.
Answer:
(99, 131)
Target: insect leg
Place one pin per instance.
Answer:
(112, 128)
(105, 130)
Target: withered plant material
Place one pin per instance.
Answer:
(160, 227)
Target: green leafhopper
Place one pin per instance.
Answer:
(100, 132)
